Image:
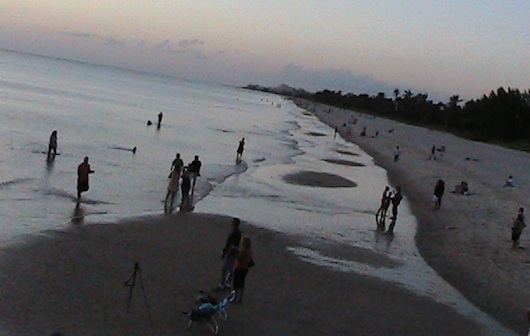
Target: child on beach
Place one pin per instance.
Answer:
(517, 228)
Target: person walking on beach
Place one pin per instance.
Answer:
(185, 189)
(194, 170)
(335, 134)
(83, 171)
(380, 215)
(241, 266)
(176, 166)
(517, 228)
(397, 153)
(433, 153)
(396, 200)
(230, 252)
(439, 189)
(52, 146)
(240, 150)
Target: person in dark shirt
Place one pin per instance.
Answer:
(230, 252)
(240, 150)
(194, 170)
(83, 170)
(396, 199)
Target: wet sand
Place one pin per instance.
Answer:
(468, 240)
(72, 282)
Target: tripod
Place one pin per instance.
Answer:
(131, 282)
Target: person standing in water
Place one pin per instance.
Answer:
(194, 170)
(83, 171)
(185, 188)
(240, 150)
(176, 166)
(52, 146)
(160, 116)
(172, 189)
(396, 199)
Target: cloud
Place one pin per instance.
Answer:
(109, 41)
(189, 43)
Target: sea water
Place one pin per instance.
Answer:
(102, 113)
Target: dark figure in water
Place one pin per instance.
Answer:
(134, 150)
(240, 149)
(83, 170)
(380, 216)
(335, 134)
(194, 170)
(396, 199)
(160, 116)
(52, 146)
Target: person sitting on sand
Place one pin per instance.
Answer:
(83, 170)
(397, 153)
(461, 189)
(509, 182)
(517, 228)
(363, 132)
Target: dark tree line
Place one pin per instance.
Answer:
(503, 116)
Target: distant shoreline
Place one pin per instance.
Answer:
(466, 242)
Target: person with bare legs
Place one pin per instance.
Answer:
(240, 150)
(241, 266)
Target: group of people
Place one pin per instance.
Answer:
(188, 176)
(237, 260)
(388, 198)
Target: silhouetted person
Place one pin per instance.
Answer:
(380, 216)
(185, 189)
(133, 150)
(83, 171)
(160, 116)
(194, 170)
(517, 228)
(439, 190)
(176, 165)
(335, 134)
(52, 146)
(396, 200)
(230, 252)
(240, 149)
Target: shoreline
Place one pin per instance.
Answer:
(463, 242)
(72, 282)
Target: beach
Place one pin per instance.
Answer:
(73, 282)
(467, 241)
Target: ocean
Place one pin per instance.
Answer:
(102, 112)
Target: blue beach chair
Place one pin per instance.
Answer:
(207, 309)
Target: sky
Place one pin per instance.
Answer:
(439, 47)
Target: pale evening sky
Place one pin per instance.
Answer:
(440, 47)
